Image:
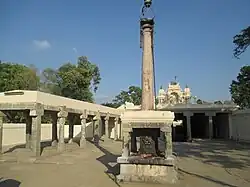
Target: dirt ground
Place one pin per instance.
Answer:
(201, 163)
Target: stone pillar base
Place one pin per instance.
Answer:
(54, 143)
(70, 141)
(163, 171)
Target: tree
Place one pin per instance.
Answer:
(73, 81)
(199, 101)
(240, 88)
(218, 102)
(133, 95)
(17, 77)
(241, 41)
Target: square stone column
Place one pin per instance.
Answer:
(126, 142)
(107, 125)
(168, 140)
(54, 129)
(1, 131)
(36, 115)
(62, 115)
(83, 118)
(96, 124)
(189, 130)
(230, 126)
(116, 128)
(28, 124)
(71, 127)
(210, 123)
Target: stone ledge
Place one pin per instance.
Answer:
(170, 161)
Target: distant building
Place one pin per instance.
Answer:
(173, 94)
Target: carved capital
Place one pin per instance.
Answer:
(188, 114)
(84, 114)
(62, 112)
(97, 116)
(116, 118)
(166, 128)
(2, 114)
(210, 114)
(38, 110)
(107, 117)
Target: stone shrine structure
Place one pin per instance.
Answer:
(145, 130)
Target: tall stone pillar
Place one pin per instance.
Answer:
(189, 130)
(28, 123)
(1, 132)
(62, 115)
(147, 29)
(54, 129)
(36, 115)
(83, 118)
(71, 127)
(107, 125)
(210, 124)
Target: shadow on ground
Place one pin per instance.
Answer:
(9, 183)
(208, 178)
(226, 154)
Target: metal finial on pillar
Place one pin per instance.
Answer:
(147, 11)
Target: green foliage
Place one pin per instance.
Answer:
(199, 101)
(17, 77)
(218, 102)
(76, 81)
(241, 41)
(240, 88)
(133, 95)
(73, 81)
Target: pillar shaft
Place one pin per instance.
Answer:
(96, 124)
(189, 130)
(1, 132)
(54, 129)
(107, 126)
(126, 141)
(71, 128)
(147, 26)
(62, 115)
(210, 124)
(83, 118)
(36, 115)
(28, 120)
(116, 128)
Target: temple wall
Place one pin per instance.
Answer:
(14, 134)
(241, 125)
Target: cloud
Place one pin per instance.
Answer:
(75, 50)
(41, 44)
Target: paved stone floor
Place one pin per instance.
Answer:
(201, 163)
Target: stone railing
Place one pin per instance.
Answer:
(35, 104)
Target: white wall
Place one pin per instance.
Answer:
(241, 125)
(16, 133)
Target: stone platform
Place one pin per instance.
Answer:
(152, 170)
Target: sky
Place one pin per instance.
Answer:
(193, 40)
